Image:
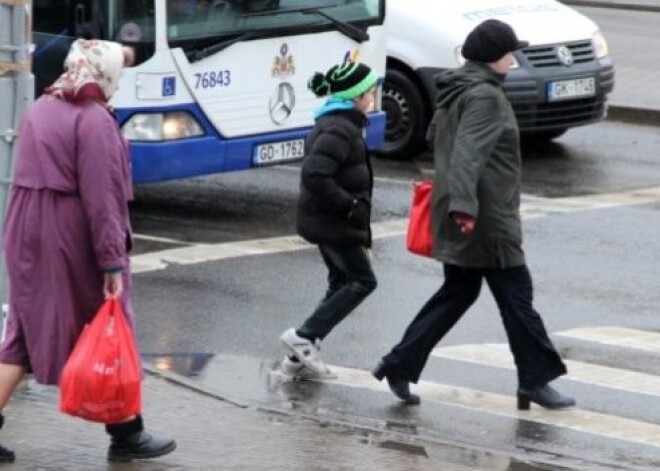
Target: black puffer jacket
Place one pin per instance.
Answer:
(336, 172)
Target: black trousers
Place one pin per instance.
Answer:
(350, 280)
(536, 359)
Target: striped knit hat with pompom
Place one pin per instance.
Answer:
(345, 81)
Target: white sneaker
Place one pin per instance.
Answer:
(304, 350)
(297, 370)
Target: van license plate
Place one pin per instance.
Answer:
(274, 152)
(564, 89)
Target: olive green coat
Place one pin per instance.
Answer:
(476, 152)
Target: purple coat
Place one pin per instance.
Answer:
(66, 224)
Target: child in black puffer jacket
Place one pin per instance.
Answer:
(334, 209)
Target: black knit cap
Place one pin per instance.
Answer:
(490, 40)
(348, 80)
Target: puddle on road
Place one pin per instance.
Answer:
(232, 376)
(189, 365)
(464, 457)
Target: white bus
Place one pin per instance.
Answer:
(218, 85)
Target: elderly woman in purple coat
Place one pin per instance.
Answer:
(67, 232)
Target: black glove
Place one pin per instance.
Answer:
(360, 213)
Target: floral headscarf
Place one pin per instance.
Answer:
(92, 71)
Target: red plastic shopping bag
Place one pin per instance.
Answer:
(419, 238)
(101, 380)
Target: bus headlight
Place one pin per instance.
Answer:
(600, 45)
(162, 126)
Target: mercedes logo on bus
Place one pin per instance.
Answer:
(565, 55)
(282, 102)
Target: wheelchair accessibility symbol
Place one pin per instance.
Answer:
(169, 86)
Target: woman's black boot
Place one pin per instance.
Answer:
(6, 456)
(399, 386)
(544, 396)
(129, 442)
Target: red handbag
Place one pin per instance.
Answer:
(101, 380)
(419, 238)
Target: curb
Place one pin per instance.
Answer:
(395, 433)
(633, 115)
(182, 381)
(614, 5)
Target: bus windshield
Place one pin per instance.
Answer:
(192, 21)
(198, 19)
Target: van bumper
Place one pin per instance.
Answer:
(526, 88)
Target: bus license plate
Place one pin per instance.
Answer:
(575, 88)
(273, 152)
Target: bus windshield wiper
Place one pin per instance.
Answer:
(198, 55)
(343, 27)
(346, 29)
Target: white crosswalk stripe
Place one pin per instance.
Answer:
(617, 337)
(498, 355)
(213, 252)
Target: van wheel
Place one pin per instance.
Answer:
(406, 119)
(543, 136)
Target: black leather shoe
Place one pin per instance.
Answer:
(399, 386)
(544, 396)
(139, 445)
(6, 456)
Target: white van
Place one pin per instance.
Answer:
(561, 80)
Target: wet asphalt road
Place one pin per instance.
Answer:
(591, 218)
(593, 260)
(603, 158)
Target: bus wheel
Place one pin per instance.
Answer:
(406, 118)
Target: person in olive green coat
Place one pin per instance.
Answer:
(476, 223)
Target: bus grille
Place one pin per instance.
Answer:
(546, 56)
